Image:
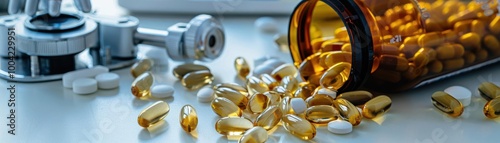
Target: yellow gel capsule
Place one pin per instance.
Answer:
(450, 51)
(492, 43)
(494, 25)
(274, 97)
(141, 85)
(285, 106)
(269, 118)
(335, 57)
(341, 33)
(492, 108)
(242, 67)
(232, 86)
(290, 83)
(197, 79)
(269, 81)
(305, 90)
(188, 118)
(184, 69)
(436, 66)
(412, 72)
(453, 64)
(225, 107)
(376, 106)
(488, 90)
(447, 104)
(321, 114)
(393, 62)
(346, 47)
(332, 45)
(430, 39)
(257, 103)
(283, 71)
(469, 57)
(236, 97)
(470, 40)
(450, 35)
(232, 126)
(424, 56)
(299, 127)
(335, 76)
(141, 67)
(153, 114)
(478, 26)
(359, 97)
(462, 27)
(481, 55)
(254, 135)
(310, 65)
(348, 111)
(319, 99)
(255, 85)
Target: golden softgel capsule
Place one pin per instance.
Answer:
(321, 114)
(257, 103)
(141, 67)
(269, 118)
(232, 86)
(290, 83)
(299, 127)
(232, 126)
(225, 107)
(447, 104)
(488, 90)
(254, 135)
(348, 111)
(283, 71)
(492, 108)
(319, 99)
(184, 69)
(241, 100)
(255, 85)
(335, 76)
(357, 97)
(153, 114)
(376, 106)
(197, 79)
(188, 118)
(141, 85)
(269, 81)
(242, 67)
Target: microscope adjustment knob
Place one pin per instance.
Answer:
(204, 38)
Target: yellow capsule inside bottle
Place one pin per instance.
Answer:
(232, 86)
(197, 79)
(492, 108)
(242, 67)
(141, 85)
(359, 97)
(141, 67)
(290, 83)
(188, 118)
(311, 65)
(269, 118)
(376, 106)
(232, 126)
(241, 100)
(319, 99)
(269, 81)
(255, 85)
(488, 90)
(254, 135)
(225, 107)
(348, 111)
(447, 104)
(321, 114)
(299, 127)
(184, 69)
(257, 103)
(335, 76)
(153, 114)
(283, 71)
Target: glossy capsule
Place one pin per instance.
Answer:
(274, 97)
(311, 65)
(470, 40)
(141, 85)
(225, 107)
(453, 64)
(488, 90)
(348, 111)
(319, 99)
(153, 114)
(242, 67)
(141, 67)
(492, 108)
(494, 25)
(299, 127)
(450, 51)
(305, 90)
(290, 84)
(376, 106)
(232, 126)
(335, 76)
(235, 96)
(285, 106)
(283, 71)
(269, 118)
(321, 114)
(269, 81)
(356, 97)
(447, 104)
(232, 86)
(197, 79)
(188, 118)
(254, 135)
(430, 39)
(492, 43)
(334, 57)
(255, 85)
(257, 103)
(184, 69)
(424, 56)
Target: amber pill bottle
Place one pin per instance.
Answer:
(391, 45)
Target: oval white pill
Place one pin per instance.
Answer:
(84, 86)
(206, 94)
(262, 69)
(273, 63)
(461, 93)
(266, 24)
(107, 80)
(262, 59)
(328, 92)
(162, 91)
(298, 105)
(340, 127)
(69, 77)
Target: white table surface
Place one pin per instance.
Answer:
(49, 113)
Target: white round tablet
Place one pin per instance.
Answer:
(298, 105)
(108, 80)
(340, 127)
(162, 91)
(84, 86)
(205, 94)
(266, 24)
(328, 92)
(461, 93)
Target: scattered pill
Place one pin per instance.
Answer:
(328, 92)
(232, 125)
(188, 118)
(269, 118)
(141, 67)
(376, 106)
(162, 91)
(197, 79)
(298, 105)
(492, 108)
(254, 135)
(205, 94)
(299, 127)
(461, 93)
(340, 127)
(488, 90)
(447, 104)
(153, 114)
(184, 69)
(242, 67)
(69, 77)
(266, 24)
(84, 86)
(141, 86)
(107, 80)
